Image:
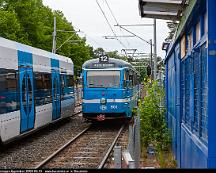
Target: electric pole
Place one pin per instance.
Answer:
(151, 61)
(155, 49)
(54, 37)
(54, 49)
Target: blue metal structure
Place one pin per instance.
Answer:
(191, 87)
(110, 89)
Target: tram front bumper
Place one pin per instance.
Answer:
(105, 108)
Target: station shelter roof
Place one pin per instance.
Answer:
(162, 9)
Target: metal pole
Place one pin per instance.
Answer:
(151, 59)
(131, 142)
(137, 142)
(117, 157)
(54, 37)
(155, 50)
(132, 164)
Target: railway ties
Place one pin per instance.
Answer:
(77, 105)
(89, 149)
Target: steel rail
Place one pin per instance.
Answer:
(76, 113)
(110, 149)
(78, 105)
(60, 149)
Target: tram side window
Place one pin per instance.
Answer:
(70, 84)
(39, 81)
(39, 95)
(63, 82)
(126, 77)
(131, 78)
(63, 86)
(47, 81)
(70, 81)
(47, 88)
(43, 84)
(9, 97)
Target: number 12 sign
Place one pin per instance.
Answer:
(103, 58)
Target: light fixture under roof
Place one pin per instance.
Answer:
(162, 9)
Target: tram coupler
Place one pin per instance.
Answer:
(101, 117)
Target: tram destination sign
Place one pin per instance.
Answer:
(103, 65)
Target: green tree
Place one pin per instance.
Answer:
(9, 24)
(97, 52)
(114, 54)
(141, 66)
(172, 25)
(31, 23)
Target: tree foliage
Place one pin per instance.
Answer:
(31, 23)
(114, 54)
(172, 26)
(141, 66)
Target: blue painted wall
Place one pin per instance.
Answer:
(191, 93)
(211, 4)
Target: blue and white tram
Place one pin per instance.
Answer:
(110, 89)
(36, 88)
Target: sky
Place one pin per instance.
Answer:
(86, 16)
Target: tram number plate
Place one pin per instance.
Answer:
(114, 107)
(103, 58)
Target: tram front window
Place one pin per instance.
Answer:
(103, 79)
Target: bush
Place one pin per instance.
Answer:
(153, 127)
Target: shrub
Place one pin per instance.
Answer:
(152, 113)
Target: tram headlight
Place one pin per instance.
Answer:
(103, 101)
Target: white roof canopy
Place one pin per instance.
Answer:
(162, 9)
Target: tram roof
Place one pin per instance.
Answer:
(36, 51)
(116, 63)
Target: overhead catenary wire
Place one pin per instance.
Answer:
(134, 34)
(110, 24)
(115, 18)
(99, 44)
(93, 40)
(111, 11)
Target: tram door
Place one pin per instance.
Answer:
(26, 98)
(56, 95)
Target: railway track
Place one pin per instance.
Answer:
(89, 149)
(77, 112)
(27, 152)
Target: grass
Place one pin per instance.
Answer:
(161, 160)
